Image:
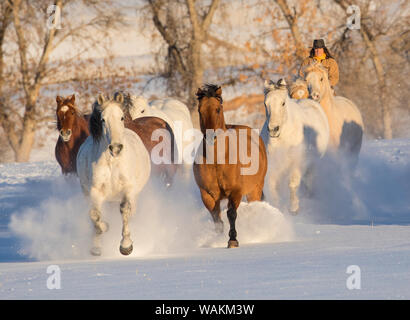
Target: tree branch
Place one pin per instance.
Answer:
(208, 17)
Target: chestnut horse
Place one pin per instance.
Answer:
(150, 129)
(226, 178)
(72, 126)
(145, 128)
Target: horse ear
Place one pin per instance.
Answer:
(119, 97)
(59, 100)
(101, 99)
(72, 99)
(219, 91)
(268, 84)
(281, 82)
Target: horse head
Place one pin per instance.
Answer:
(210, 108)
(276, 97)
(317, 80)
(66, 114)
(107, 122)
(138, 107)
(299, 90)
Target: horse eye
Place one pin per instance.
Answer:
(321, 79)
(283, 104)
(143, 111)
(102, 120)
(122, 118)
(218, 110)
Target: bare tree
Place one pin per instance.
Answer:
(184, 26)
(292, 20)
(373, 26)
(37, 35)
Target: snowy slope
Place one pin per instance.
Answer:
(353, 219)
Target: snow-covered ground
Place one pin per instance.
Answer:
(360, 219)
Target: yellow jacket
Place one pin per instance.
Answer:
(330, 64)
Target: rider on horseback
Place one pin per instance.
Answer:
(321, 54)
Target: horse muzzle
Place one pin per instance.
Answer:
(315, 96)
(115, 149)
(65, 135)
(275, 132)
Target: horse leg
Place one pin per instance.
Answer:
(214, 208)
(255, 195)
(99, 226)
(234, 201)
(126, 242)
(294, 183)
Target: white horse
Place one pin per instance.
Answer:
(345, 121)
(113, 165)
(175, 113)
(295, 133)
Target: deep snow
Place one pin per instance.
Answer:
(353, 219)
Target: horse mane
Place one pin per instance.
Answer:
(298, 84)
(209, 90)
(314, 66)
(95, 124)
(272, 86)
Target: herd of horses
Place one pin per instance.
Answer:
(110, 149)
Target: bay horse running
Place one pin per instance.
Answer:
(216, 172)
(113, 165)
(72, 127)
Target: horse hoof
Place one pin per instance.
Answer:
(233, 244)
(126, 251)
(95, 251)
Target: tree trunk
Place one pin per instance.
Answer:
(378, 67)
(379, 70)
(22, 154)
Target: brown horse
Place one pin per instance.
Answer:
(145, 128)
(219, 176)
(72, 126)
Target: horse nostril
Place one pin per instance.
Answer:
(276, 128)
(115, 148)
(69, 131)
